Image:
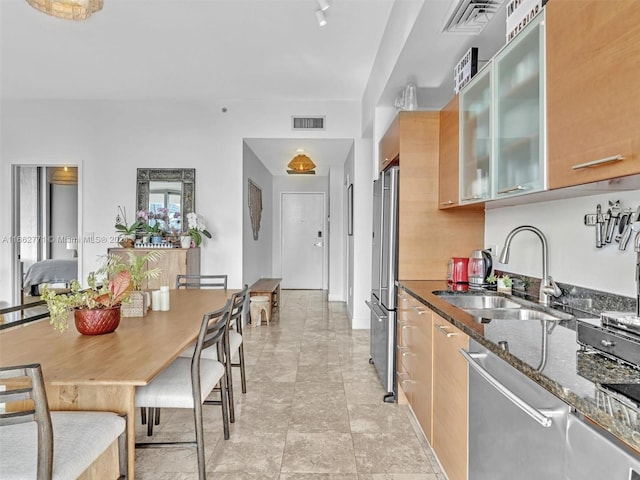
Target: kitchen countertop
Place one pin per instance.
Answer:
(571, 373)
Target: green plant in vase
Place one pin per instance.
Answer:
(105, 295)
(196, 228)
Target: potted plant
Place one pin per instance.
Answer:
(127, 232)
(96, 309)
(196, 228)
(504, 282)
(154, 223)
(138, 267)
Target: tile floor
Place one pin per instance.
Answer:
(313, 410)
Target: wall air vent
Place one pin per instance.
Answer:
(469, 17)
(307, 123)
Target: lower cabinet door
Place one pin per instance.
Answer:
(450, 393)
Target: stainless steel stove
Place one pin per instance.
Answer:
(617, 336)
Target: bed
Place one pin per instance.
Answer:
(49, 271)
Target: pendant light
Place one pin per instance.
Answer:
(67, 9)
(301, 164)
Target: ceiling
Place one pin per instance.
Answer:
(233, 50)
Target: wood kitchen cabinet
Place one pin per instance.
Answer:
(427, 236)
(414, 357)
(448, 178)
(450, 393)
(173, 261)
(593, 104)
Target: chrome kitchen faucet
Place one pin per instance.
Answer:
(548, 287)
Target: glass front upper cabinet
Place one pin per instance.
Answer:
(519, 143)
(475, 139)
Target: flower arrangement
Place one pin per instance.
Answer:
(125, 230)
(154, 222)
(196, 228)
(97, 296)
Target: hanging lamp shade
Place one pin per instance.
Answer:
(67, 9)
(301, 164)
(63, 175)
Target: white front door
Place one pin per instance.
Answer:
(303, 240)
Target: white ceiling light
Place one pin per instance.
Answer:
(322, 20)
(323, 5)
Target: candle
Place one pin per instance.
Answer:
(155, 300)
(164, 298)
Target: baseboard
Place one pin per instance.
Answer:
(361, 323)
(335, 297)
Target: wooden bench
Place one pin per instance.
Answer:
(269, 287)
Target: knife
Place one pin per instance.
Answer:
(626, 235)
(599, 224)
(614, 216)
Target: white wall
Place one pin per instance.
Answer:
(573, 257)
(337, 235)
(256, 254)
(110, 139)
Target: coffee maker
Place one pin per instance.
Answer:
(480, 266)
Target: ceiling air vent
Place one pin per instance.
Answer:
(471, 16)
(307, 123)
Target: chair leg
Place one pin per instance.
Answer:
(150, 422)
(197, 417)
(225, 407)
(232, 416)
(243, 378)
(157, 416)
(143, 415)
(123, 457)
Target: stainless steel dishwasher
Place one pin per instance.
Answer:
(517, 429)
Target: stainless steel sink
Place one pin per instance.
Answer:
(517, 314)
(496, 307)
(480, 301)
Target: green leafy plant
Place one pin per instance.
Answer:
(137, 266)
(506, 280)
(107, 294)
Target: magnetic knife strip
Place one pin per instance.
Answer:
(616, 225)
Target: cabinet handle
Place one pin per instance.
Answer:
(420, 310)
(473, 197)
(538, 415)
(602, 161)
(442, 329)
(448, 202)
(517, 188)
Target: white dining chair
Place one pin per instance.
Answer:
(187, 382)
(37, 443)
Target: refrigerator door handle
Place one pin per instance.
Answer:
(377, 311)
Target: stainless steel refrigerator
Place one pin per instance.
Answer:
(383, 280)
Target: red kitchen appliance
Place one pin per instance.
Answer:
(458, 270)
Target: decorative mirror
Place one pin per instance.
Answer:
(171, 188)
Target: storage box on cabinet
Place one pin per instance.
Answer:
(593, 66)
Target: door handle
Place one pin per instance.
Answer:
(318, 244)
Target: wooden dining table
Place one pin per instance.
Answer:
(102, 372)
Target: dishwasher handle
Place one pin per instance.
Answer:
(534, 413)
(377, 311)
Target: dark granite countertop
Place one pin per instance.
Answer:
(569, 372)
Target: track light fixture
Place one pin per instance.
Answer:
(322, 20)
(323, 5)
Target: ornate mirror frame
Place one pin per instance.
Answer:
(185, 175)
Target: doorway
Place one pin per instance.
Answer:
(45, 226)
(303, 240)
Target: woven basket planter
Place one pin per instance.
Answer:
(97, 321)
